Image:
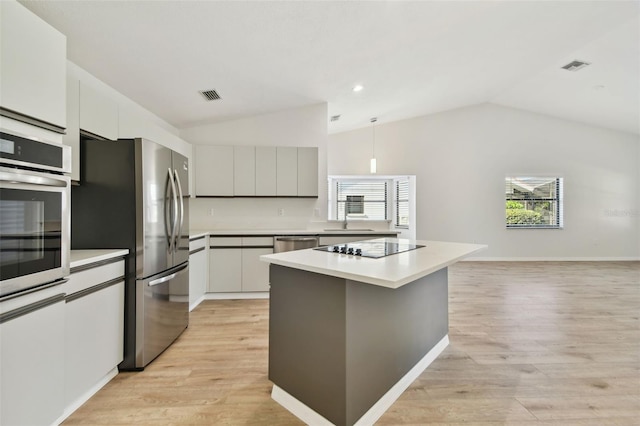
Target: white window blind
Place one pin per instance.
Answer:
(366, 199)
(402, 204)
(534, 202)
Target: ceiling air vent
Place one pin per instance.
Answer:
(335, 117)
(575, 65)
(210, 95)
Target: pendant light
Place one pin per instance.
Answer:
(373, 150)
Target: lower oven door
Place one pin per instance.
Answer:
(34, 229)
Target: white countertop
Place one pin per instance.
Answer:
(391, 271)
(87, 257)
(198, 232)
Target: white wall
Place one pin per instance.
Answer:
(461, 157)
(305, 126)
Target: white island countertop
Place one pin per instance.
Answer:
(391, 271)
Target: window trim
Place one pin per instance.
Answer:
(558, 199)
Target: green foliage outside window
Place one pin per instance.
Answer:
(518, 215)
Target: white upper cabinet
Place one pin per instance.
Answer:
(98, 113)
(255, 171)
(287, 171)
(307, 172)
(33, 68)
(214, 171)
(72, 137)
(265, 170)
(244, 170)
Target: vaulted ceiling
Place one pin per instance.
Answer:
(412, 58)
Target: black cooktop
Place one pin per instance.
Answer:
(372, 249)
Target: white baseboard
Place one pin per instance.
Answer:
(195, 304)
(310, 417)
(227, 296)
(551, 259)
(87, 395)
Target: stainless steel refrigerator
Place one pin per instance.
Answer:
(134, 194)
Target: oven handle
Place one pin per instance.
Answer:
(31, 179)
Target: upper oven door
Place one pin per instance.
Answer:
(34, 229)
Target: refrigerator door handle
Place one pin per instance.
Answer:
(162, 280)
(171, 188)
(181, 221)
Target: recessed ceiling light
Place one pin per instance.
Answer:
(357, 88)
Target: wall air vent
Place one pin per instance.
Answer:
(335, 117)
(210, 95)
(575, 65)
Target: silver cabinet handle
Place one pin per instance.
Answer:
(296, 238)
(162, 280)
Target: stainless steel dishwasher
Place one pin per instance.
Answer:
(294, 242)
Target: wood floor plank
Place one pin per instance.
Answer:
(532, 343)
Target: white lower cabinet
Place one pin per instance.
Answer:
(94, 330)
(225, 270)
(235, 266)
(198, 270)
(255, 274)
(32, 356)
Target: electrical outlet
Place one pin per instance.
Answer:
(280, 212)
(316, 212)
(211, 211)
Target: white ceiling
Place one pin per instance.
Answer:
(413, 58)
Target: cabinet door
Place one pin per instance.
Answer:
(98, 113)
(244, 170)
(266, 171)
(225, 270)
(255, 274)
(32, 366)
(94, 336)
(287, 171)
(307, 172)
(72, 137)
(198, 267)
(33, 68)
(214, 170)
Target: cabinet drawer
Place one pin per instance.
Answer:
(225, 241)
(84, 279)
(257, 241)
(197, 243)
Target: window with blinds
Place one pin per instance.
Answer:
(534, 202)
(366, 199)
(402, 204)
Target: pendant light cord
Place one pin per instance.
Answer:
(373, 131)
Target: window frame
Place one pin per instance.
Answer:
(557, 200)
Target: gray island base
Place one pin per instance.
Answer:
(348, 335)
(338, 346)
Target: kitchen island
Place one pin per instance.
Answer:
(348, 334)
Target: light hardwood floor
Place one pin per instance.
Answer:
(531, 343)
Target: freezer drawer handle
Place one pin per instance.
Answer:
(162, 280)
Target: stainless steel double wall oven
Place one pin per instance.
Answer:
(34, 213)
